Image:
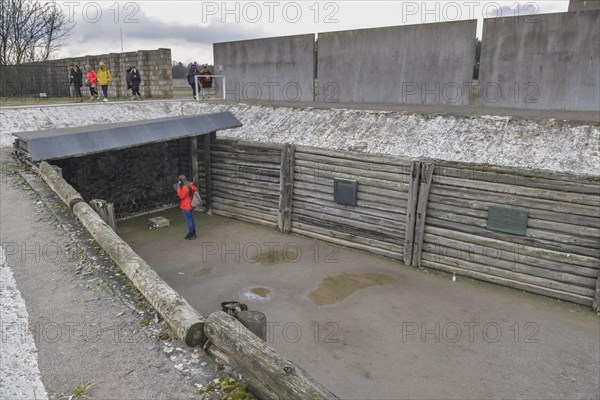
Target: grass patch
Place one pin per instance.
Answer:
(82, 390)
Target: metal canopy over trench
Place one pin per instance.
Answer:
(74, 142)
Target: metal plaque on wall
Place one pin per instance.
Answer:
(507, 220)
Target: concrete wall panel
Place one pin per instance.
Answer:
(280, 68)
(417, 64)
(549, 61)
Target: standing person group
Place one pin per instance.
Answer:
(204, 81)
(103, 78)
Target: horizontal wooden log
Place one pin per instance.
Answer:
(438, 253)
(245, 150)
(516, 201)
(255, 198)
(250, 186)
(356, 171)
(326, 185)
(300, 216)
(573, 259)
(557, 294)
(224, 162)
(267, 216)
(363, 165)
(519, 255)
(558, 195)
(525, 172)
(562, 242)
(346, 214)
(506, 237)
(64, 190)
(596, 301)
(184, 320)
(394, 248)
(242, 217)
(221, 155)
(261, 364)
(383, 203)
(326, 214)
(245, 176)
(252, 144)
(296, 228)
(353, 155)
(558, 227)
(476, 174)
(392, 216)
(315, 173)
(550, 216)
(515, 276)
(241, 204)
(265, 200)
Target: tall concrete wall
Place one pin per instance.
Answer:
(548, 61)
(584, 5)
(430, 64)
(280, 68)
(154, 65)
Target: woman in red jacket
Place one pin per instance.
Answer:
(91, 82)
(185, 191)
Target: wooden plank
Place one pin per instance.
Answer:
(194, 172)
(596, 301)
(559, 194)
(255, 198)
(550, 216)
(349, 237)
(276, 147)
(353, 155)
(559, 227)
(363, 209)
(221, 155)
(364, 165)
(361, 180)
(362, 224)
(517, 201)
(557, 294)
(262, 365)
(518, 255)
(365, 200)
(508, 238)
(347, 214)
(346, 243)
(438, 253)
(222, 180)
(325, 185)
(424, 187)
(533, 237)
(245, 176)
(271, 217)
(356, 171)
(573, 259)
(476, 174)
(244, 205)
(413, 195)
(208, 139)
(246, 218)
(286, 188)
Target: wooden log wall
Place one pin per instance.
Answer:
(245, 180)
(378, 221)
(559, 255)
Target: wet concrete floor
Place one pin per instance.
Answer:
(368, 327)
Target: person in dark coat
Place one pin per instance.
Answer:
(192, 72)
(135, 78)
(128, 77)
(76, 79)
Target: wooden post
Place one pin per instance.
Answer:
(266, 370)
(208, 139)
(286, 177)
(194, 160)
(596, 302)
(106, 211)
(411, 210)
(426, 178)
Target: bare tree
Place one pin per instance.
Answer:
(31, 30)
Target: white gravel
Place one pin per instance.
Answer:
(550, 145)
(19, 372)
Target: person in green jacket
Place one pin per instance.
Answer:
(104, 79)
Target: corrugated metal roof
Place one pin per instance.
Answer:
(73, 142)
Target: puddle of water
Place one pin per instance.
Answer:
(202, 271)
(272, 257)
(336, 288)
(261, 291)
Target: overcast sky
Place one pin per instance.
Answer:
(189, 28)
